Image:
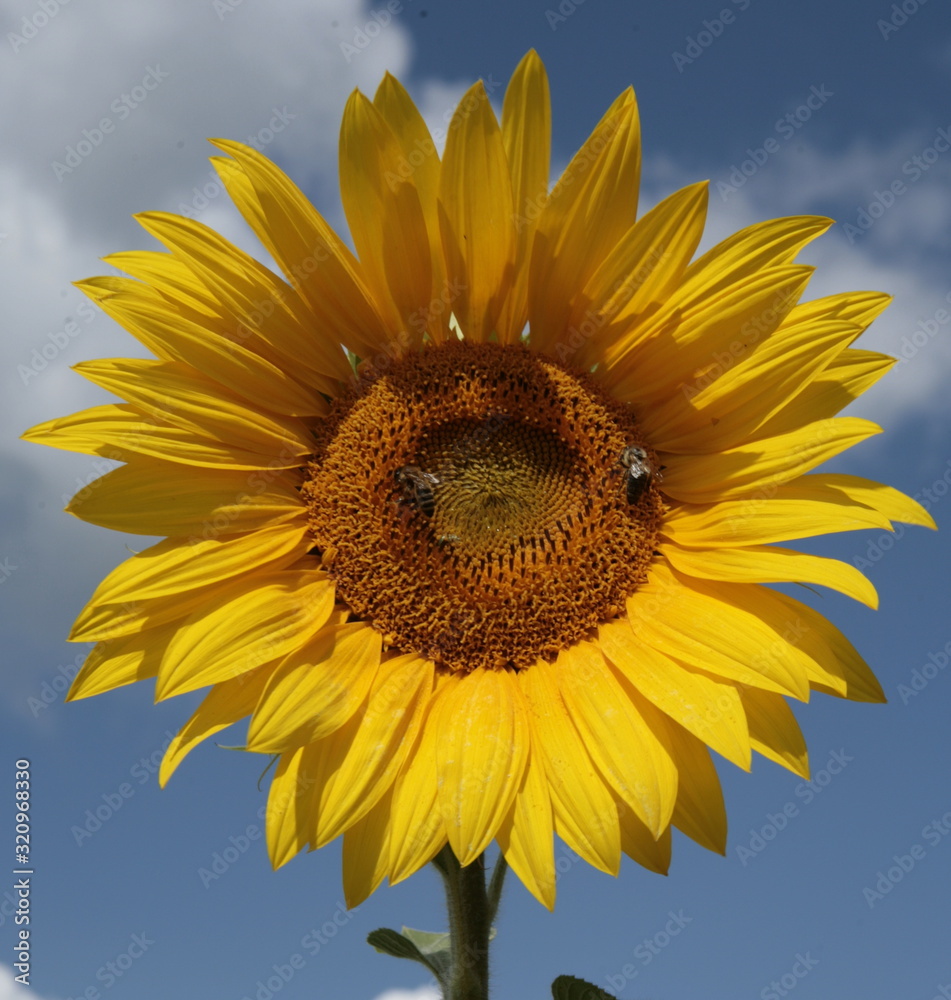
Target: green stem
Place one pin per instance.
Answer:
(495, 886)
(469, 925)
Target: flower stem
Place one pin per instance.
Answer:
(495, 886)
(469, 925)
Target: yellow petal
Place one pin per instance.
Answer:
(585, 814)
(762, 245)
(526, 135)
(476, 215)
(708, 708)
(316, 689)
(103, 287)
(526, 836)
(592, 205)
(255, 621)
(167, 332)
(313, 258)
(801, 509)
(287, 804)
(830, 660)
(700, 812)
(386, 220)
(366, 853)
(775, 732)
(725, 405)
(223, 706)
(120, 432)
(843, 381)
(703, 626)
(641, 273)
(826, 384)
(858, 308)
(622, 744)
(268, 311)
(639, 843)
(680, 341)
(182, 564)
(117, 662)
(417, 829)
(420, 160)
(169, 276)
(885, 499)
(177, 394)
(762, 564)
(160, 498)
(368, 751)
(755, 468)
(110, 621)
(481, 753)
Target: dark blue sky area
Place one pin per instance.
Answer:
(744, 72)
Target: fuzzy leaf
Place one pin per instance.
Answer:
(571, 988)
(432, 950)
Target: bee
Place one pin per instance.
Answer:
(638, 475)
(417, 487)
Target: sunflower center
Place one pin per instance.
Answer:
(499, 480)
(480, 504)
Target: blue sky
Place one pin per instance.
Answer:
(836, 888)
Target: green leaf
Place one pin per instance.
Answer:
(435, 946)
(571, 988)
(389, 942)
(428, 942)
(430, 948)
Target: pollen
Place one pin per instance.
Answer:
(475, 502)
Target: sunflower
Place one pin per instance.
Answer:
(473, 521)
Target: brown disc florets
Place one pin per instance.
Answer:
(473, 505)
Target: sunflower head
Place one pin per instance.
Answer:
(473, 501)
(474, 522)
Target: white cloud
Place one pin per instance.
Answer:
(10, 989)
(423, 993)
(164, 77)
